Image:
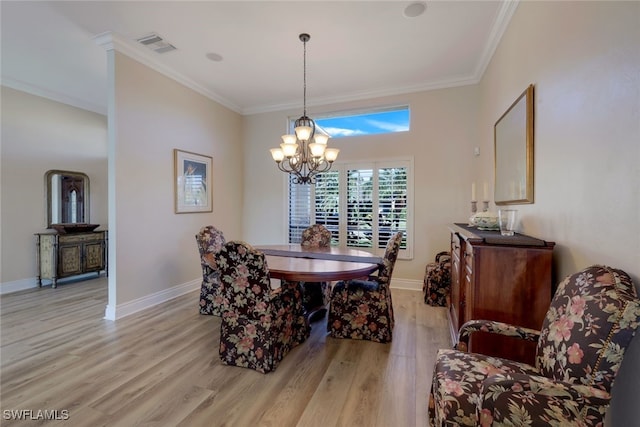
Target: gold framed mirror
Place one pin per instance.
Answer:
(67, 197)
(513, 144)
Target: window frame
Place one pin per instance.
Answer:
(342, 167)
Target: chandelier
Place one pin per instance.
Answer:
(304, 154)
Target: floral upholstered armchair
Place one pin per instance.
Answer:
(210, 240)
(260, 325)
(592, 319)
(315, 295)
(362, 309)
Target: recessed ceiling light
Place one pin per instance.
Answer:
(415, 9)
(215, 57)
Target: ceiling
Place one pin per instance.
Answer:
(357, 50)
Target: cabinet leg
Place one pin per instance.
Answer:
(54, 283)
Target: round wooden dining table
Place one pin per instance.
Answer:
(316, 270)
(298, 263)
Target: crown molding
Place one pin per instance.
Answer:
(53, 96)
(112, 41)
(362, 95)
(503, 18)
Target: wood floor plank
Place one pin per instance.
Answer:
(160, 367)
(326, 404)
(365, 393)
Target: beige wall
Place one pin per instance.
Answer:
(442, 124)
(584, 60)
(39, 135)
(153, 248)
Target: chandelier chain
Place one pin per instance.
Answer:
(304, 78)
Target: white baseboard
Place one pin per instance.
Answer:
(130, 307)
(125, 309)
(149, 301)
(408, 284)
(24, 284)
(18, 285)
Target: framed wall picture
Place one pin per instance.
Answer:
(192, 182)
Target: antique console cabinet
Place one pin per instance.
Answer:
(502, 278)
(64, 255)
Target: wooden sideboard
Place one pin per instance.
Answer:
(64, 255)
(502, 278)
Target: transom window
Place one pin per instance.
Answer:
(362, 205)
(370, 122)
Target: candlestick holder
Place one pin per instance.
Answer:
(485, 208)
(474, 209)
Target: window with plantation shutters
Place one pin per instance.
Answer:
(326, 196)
(360, 208)
(392, 203)
(362, 205)
(299, 210)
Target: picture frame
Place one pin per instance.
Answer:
(192, 182)
(513, 139)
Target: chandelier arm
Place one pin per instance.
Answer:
(326, 167)
(282, 167)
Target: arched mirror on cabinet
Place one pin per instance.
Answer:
(74, 248)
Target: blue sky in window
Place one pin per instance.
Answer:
(366, 124)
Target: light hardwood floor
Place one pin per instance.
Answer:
(160, 367)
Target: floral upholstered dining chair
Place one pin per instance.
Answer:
(260, 325)
(316, 236)
(362, 309)
(210, 240)
(315, 294)
(591, 321)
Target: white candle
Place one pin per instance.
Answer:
(473, 192)
(486, 192)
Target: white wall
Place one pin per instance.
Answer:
(442, 130)
(584, 60)
(39, 135)
(155, 249)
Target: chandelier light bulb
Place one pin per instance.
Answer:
(317, 150)
(289, 150)
(321, 139)
(289, 139)
(331, 154)
(277, 154)
(303, 133)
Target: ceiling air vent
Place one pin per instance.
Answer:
(156, 43)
